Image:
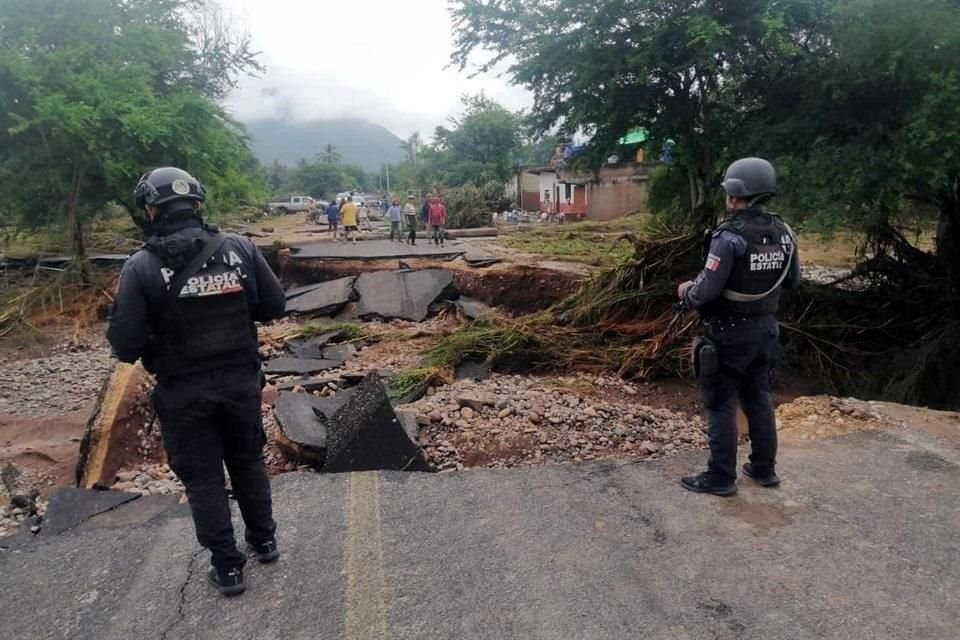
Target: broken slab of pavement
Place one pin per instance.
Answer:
(355, 430)
(71, 506)
(324, 298)
(401, 294)
(298, 366)
(472, 308)
(365, 434)
(312, 347)
(587, 551)
(302, 420)
(111, 436)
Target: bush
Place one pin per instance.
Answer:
(466, 208)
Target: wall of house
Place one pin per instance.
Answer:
(610, 199)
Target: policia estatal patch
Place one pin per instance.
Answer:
(212, 284)
(768, 261)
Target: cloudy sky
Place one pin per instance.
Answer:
(381, 60)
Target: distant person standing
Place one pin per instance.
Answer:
(333, 219)
(348, 212)
(425, 210)
(395, 214)
(410, 215)
(438, 220)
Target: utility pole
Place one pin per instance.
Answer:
(388, 178)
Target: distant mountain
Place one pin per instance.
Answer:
(359, 142)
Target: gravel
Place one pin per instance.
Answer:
(67, 380)
(521, 420)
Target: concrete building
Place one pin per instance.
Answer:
(612, 192)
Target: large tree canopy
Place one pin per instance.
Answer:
(690, 71)
(94, 92)
(478, 147)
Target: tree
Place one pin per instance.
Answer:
(690, 71)
(478, 147)
(330, 155)
(95, 92)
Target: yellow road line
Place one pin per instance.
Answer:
(366, 615)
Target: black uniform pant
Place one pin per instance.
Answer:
(206, 421)
(747, 350)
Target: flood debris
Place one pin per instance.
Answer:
(365, 434)
(401, 294)
(299, 366)
(354, 429)
(472, 308)
(122, 414)
(324, 298)
(312, 347)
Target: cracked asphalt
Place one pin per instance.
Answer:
(862, 541)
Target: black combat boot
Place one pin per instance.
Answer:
(228, 581)
(770, 479)
(708, 483)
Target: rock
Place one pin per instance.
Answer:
(298, 366)
(467, 413)
(505, 412)
(424, 420)
(407, 294)
(270, 394)
(471, 308)
(477, 401)
(340, 352)
(365, 434)
(471, 369)
(649, 447)
(123, 486)
(127, 476)
(591, 412)
(326, 299)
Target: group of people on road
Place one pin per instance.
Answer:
(345, 211)
(433, 214)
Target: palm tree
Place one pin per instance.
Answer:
(329, 155)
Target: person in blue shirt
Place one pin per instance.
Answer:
(395, 215)
(333, 219)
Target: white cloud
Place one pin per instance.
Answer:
(381, 60)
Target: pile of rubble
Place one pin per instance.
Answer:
(149, 480)
(20, 509)
(818, 417)
(522, 420)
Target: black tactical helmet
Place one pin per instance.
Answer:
(167, 184)
(750, 177)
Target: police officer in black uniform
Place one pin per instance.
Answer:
(186, 305)
(751, 257)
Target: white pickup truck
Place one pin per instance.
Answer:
(296, 204)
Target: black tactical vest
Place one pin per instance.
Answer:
(206, 325)
(770, 249)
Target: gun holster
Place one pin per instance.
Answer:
(705, 358)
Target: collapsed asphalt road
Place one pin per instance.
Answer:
(861, 542)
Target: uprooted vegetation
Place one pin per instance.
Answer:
(891, 336)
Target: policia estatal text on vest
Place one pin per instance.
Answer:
(750, 258)
(186, 306)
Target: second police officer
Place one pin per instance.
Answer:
(751, 257)
(186, 306)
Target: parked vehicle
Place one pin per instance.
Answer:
(296, 204)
